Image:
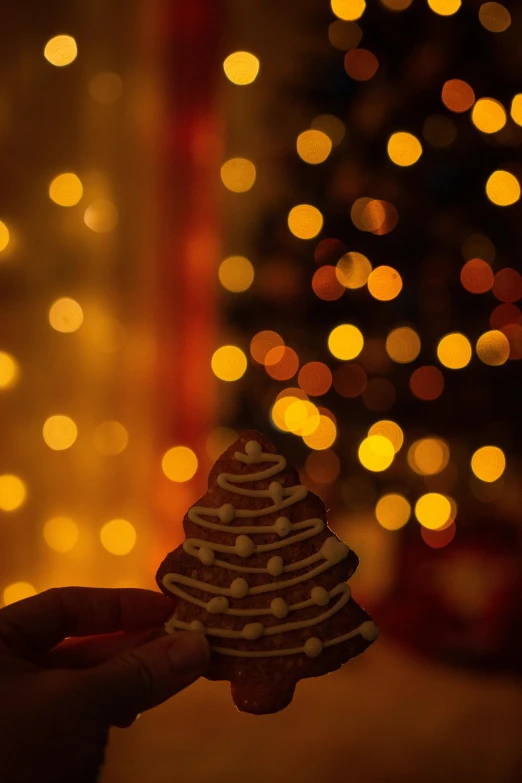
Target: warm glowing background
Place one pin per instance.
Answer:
(301, 217)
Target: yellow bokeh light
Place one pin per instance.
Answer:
(494, 17)
(313, 146)
(493, 348)
(236, 274)
(403, 345)
(61, 50)
(9, 370)
(428, 456)
(389, 429)
(218, 441)
(106, 87)
(323, 435)
(4, 236)
(454, 351)
(66, 189)
(345, 342)
(65, 315)
(229, 363)
(433, 510)
(503, 188)
(353, 270)
(488, 115)
(404, 149)
(101, 216)
(241, 67)
(238, 174)
(445, 7)
(12, 492)
(376, 453)
(118, 536)
(59, 432)
(348, 10)
(392, 511)
(17, 591)
(110, 438)
(384, 283)
(488, 463)
(61, 534)
(179, 464)
(305, 221)
(516, 108)
(302, 417)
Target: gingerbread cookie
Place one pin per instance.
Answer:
(262, 575)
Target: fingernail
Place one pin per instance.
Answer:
(189, 652)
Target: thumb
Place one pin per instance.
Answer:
(146, 676)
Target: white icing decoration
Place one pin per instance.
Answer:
(331, 552)
(197, 625)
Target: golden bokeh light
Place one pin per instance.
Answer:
(445, 7)
(503, 188)
(9, 370)
(279, 409)
(313, 146)
(344, 35)
(65, 315)
(357, 213)
(118, 537)
(241, 67)
(392, 511)
(301, 417)
(4, 236)
(384, 283)
(345, 341)
(457, 95)
(179, 464)
(305, 221)
(476, 276)
(17, 591)
(376, 453)
(315, 378)
(494, 17)
(236, 274)
(263, 342)
(326, 285)
(61, 50)
(493, 348)
(348, 10)
(454, 351)
(106, 88)
(110, 438)
(389, 429)
(59, 432)
(334, 128)
(433, 510)
(428, 456)
(228, 363)
(323, 467)
(13, 492)
(353, 270)
(281, 363)
(238, 175)
(488, 115)
(488, 463)
(101, 216)
(516, 108)
(61, 534)
(323, 436)
(66, 189)
(427, 382)
(361, 64)
(404, 149)
(439, 131)
(218, 441)
(403, 345)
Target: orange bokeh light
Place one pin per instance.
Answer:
(281, 363)
(360, 64)
(513, 333)
(323, 467)
(505, 314)
(349, 380)
(315, 378)
(329, 251)
(263, 342)
(457, 95)
(384, 283)
(326, 285)
(476, 276)
(437, 539)
(427, 382)
(508, 285)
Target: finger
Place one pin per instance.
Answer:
(146, 676)
(83, 652)
(42, 621)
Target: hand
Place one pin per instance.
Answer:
(59, 695)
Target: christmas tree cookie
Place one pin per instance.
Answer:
(262, 575)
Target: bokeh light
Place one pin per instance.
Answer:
(349, 380)
(379, 395)
(345, 341)
(4, 236)
(218, 440)
(301, 417)
(437, 539)
(457, 95)
(17, 591)
(334, 128)
(323, 467)
(315, 378)
(65, 315)
(110, 438)
(9, 370)
(241, 67)
(428, 456)
(488, 115)
(101, 216)
(454, 351)
(66, 189)
(118, 537)
(305, 221)
(494, 17)
(445, 7)
(106, 88)
(403, 345)
(427, 382)
(404, 149)
(376, 453)
(61, 50)
(13, 492)
(439, 131)
(503, 188)
(349, 10)
(61, 534)
(281, 363)
(392, 511)
(323, 435)
(389, 429)
(384, 283)
(326, 284)
(374, 358)
(488, 463)
(59, 432)
(353, 270)
(313, 146)
(344, 35)
(361, 64)
(507, 286)
(238, 175)
(516, 108)
(433, 510)
(396, 5)
(504, 315)
(476, 276)
(236, 274)
(478, 246)
(493, 348)
(228, 363)
(263, 342)
(179, 464)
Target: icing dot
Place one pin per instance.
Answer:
(313, 647)
(197, 625)
(253, 631)
(254, 450)
(206, 555)
(369, 631)
(227, 512)
(217, 605)
(244, 546)
(276, 491)
(239, 588)
(320, 596)
(275, 566)
(334, 550)
(282, 526)
(279, 608)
